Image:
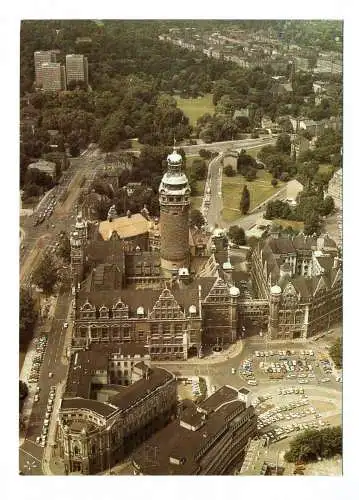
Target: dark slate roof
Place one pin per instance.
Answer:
(99, 252)
(87, 362)
(138, 390)
(102, 409)
(222, 395)
(105, 277)
(184, 444)
(326, 262)
(304, 286)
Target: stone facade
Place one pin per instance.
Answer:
(174, 215)
(93, 435)
(301, 278)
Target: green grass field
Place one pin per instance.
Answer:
(194, 108)
(259, 189)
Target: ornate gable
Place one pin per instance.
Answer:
(219, 292)
(166, 307)
(290, 295)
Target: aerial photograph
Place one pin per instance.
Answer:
(180, 253)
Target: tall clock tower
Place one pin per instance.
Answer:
(174, 197)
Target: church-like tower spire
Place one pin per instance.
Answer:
(174, 197)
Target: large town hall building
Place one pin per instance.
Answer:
(173, 288)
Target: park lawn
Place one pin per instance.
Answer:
(296, 224)
(191, 159)
(193, 108)
(260, 189)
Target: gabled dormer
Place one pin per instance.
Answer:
(87, 311)
(120, 310)
(104, 312)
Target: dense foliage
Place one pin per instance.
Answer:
(45, 275)
(245, 200)
(27, 316)
(336, 353)
(237, 235)
(314, 444)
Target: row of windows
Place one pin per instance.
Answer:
(158, 350)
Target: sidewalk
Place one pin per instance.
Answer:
(26, 369)
(231, 352)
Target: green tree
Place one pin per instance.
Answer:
(312, 224)
(196, 218)
(245, 200)
(229, 171)
(237, 235)
(314, 444)
(336, 353)
(199, 169)
(27, 316)
(327, 206)
(23, 390)
(45, 275)
(283, 143)
(64, 249)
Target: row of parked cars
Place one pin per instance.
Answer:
(276, 414)
(41, 440)
(287, 352)
(278, 433)
(40, 347)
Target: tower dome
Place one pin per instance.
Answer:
(276, 290)
(234, 291)
(174, 158)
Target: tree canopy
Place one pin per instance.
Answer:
(336, 353)
(245, 200)
(45, 275)
(314, 444)
(237, 235)
(27, 316)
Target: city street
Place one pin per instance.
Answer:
(52, 363)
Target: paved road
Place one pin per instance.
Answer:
(212, 212)
(40, 236)
(52, 362)
(226, 145)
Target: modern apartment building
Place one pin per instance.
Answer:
(53, 76)
(76, 68)
(40, 57)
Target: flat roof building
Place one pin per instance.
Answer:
(76, 68)
(53, 76)
(40, 57)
